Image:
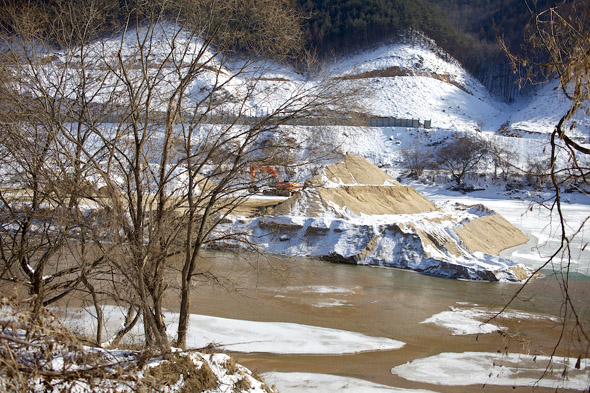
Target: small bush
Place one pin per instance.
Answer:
(242, 384)
(196, 379)
(460, 156)
(416, 161)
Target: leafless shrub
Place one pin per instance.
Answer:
(416, 161)
(460, 156)
(177, 367)
(121, 165)
(504, 159)
(536, 172)
(37, 351)
(557, 43)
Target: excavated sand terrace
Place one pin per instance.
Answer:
(354, 212)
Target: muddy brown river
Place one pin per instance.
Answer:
(381, 302)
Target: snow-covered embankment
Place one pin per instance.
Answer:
(355, 213)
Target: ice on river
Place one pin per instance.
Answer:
(320, 383)
(281, 337)
(246, 336)
(479, 368)
(473, 320)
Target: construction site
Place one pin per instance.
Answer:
(354, 212)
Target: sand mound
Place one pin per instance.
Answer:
(490, 234)
(353, 170)
(356, 186)
(354, 212)
(377, 199)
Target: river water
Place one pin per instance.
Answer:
(392, 303)
(375, 301)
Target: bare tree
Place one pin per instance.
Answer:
(416, 161)
(504, 159)
(146, 139)
(461, 156)
(43, 174)
(558, 43)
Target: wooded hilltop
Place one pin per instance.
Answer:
(466, 29)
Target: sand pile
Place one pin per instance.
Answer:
(377, 199)
(355, 186)
(353, 170)
(354, 212)
(489, 232)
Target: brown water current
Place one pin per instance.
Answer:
(374, 301)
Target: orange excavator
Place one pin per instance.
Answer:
(281, 188)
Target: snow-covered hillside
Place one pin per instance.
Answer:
(418, 80)
(540, 113)
(409, 80)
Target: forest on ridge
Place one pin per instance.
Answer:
(466, 29)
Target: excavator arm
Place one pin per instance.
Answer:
(267, 169)
(280, 184)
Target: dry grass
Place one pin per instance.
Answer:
(196, 379)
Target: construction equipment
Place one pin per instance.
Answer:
(280, 187)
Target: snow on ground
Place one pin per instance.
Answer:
(246, 336)
(48, 358)
(384, 146)
(428, 84)
(409, 56)
(448, 106)
(320, 383)
(541, 113)
(482, 368)
(420, 57)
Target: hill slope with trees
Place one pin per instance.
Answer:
(466, 29)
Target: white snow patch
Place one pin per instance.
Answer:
(478, 368)
(246, 336)
(320, 383)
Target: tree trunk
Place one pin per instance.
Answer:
(183, 320)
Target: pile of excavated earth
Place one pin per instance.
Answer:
(354, 212)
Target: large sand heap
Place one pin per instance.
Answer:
(354, 212)
(355, 186)
(354, 170)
